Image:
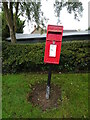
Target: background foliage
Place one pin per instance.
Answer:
(72, 7)
(5, 28)
(30, 57)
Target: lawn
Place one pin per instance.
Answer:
(74, 96)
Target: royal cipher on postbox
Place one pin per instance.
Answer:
(53, 44)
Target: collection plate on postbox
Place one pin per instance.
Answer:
(53, 44)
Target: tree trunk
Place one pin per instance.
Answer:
(10, 22)
(12, 36)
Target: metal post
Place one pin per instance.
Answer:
(48, 83)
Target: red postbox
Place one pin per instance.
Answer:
(53, 44)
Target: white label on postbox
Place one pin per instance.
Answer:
(52, 52)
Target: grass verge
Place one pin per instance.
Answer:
(74, 96)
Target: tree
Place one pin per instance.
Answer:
(31, 10)
(75, 7)
(5, 29)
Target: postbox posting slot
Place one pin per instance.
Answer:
(53, 34)
(55, 40)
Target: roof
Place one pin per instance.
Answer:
(38, 30)
(35, 36)
(77, 33)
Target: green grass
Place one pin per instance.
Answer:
(74, 95)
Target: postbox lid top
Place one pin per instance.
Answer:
(56, 25)
(55, 28)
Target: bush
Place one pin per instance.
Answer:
(30, 57)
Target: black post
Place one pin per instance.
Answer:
(48, 82)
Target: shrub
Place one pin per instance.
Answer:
(30, 57)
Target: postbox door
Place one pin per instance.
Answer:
(53, 57)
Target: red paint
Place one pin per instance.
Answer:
(53, 33)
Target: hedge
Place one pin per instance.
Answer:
(30, 57)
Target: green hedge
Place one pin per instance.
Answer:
(29, 57)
